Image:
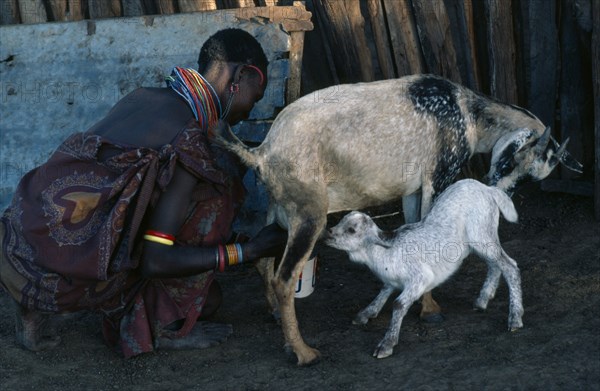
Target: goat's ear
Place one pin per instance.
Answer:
(378, 241)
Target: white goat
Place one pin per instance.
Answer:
(420, 256)
(372, 143)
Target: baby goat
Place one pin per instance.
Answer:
(420, 256)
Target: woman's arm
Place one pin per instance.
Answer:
(163, 261)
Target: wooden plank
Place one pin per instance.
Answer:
(501, 50)
(574, 87)
(104, 8)
(133, 7)
(238, 3)
(539, 57)
(76, 10)
(32, 11)
(380, 36)
(57, 10)
(321, 29)
(404, 38)
(293, 83)
(344, 28)
(166, 7)
(596, 78)
(10, 12)
(467, 6)
(457, 15)
(433, 26)
(197, 5)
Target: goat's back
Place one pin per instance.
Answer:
(472, 209)
(367, 142)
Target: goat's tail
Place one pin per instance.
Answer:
(505, 204)
(222, 134)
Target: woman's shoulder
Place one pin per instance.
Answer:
(146, 117)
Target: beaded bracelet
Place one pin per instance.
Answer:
(159, 237)
(230, 254)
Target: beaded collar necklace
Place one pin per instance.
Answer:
(198, 93)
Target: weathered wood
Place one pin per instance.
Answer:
(57, 10)
(133, 8)
(344, 27)
(267, 3)
(197, 5)
(104, 8)
(501, 50)
(166, 7)
(434, 31)
(380, 36)
(404, 38)
(293, 83)
(76, 10)
(467, 6)
(538, 37)
(575, 88)
(32, 11)
(10, 12)
(596, 77)
(238, 3)
(457, 15)
(324, 41)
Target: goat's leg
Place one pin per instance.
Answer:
(373, 309)
(33, 329)
(496, 256)
(512, 275)
(266, 269)
(488, 291)
(401, 306)
(302, 237)
(416, 206)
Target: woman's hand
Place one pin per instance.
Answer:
(269, 242)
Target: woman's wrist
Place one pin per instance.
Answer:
(229, 255)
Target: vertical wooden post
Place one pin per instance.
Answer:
(380, 36)
(32, 11)
(166, 7)
(575, 87)
(403, 34)
(460, 15)
(104, 8)
(343, 25)
(293, 83)
(197, 5)
(596, 77)
(539, 57)
(133, 8)
(436, 38)
(501, 50)
(10, 12)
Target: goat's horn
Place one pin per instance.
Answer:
(562, 148)
(543, 141)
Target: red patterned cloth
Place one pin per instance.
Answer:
(72, 233)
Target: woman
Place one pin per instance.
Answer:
(131, 217)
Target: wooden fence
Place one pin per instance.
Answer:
(539, 54)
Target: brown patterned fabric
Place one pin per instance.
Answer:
(73, 233)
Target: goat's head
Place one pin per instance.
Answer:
(524, 155)
(354, 232)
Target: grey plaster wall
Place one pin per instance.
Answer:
(59, 78)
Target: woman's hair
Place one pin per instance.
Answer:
(232, 45)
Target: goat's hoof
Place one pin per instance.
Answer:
(360, 320)
(383, 351)
(433, 318)
(309, 357)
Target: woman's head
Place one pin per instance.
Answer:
(235, 64)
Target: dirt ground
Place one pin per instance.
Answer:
(557, 246)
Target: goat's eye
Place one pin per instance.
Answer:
(351, 230)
